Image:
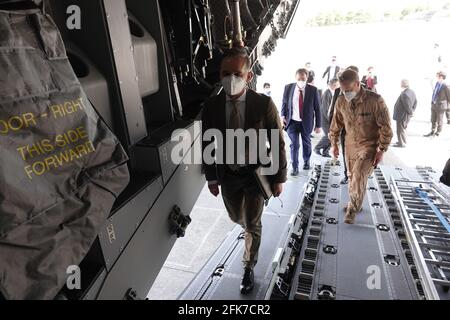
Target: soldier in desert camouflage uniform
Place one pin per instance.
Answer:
(365, 118)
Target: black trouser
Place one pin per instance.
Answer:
(437, 118)
(324, 143)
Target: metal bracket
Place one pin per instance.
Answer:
(330, 249)
(219, 271)
(383, 227)
(178, 222)
(282, 287)
(294, 243)
(326, 293)
(331, 221)
(131, 295)
(392, 260)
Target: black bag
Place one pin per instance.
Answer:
(61, 167)
(445, 178)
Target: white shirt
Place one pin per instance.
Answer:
(295, 105)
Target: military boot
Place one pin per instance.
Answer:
(350, 217)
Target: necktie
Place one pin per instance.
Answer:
(300, 104)
(436, 90)
(234, 123)
(235, 118)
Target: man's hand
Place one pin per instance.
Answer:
(214, 189)
(277, 188)
(317, 130)
(378, 158)
(335, 151)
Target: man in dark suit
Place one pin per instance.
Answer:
(440, 102)
(324, 145)
(311, 73)
(403, 111)
(238, 109)
(332, 70)
(301, 107)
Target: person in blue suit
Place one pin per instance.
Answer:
(299, 112)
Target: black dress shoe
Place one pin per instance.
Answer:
(437, 134)
(306, 166)
(317, 152)
(431, 134)
(344, 180)
(294, 172)
(248, 281)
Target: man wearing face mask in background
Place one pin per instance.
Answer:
(324, 145)
(365, 117)
(237, 107)
(301, 107)
(440, 104)
(311, 73)
(267, 90)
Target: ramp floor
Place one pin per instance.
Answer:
(221, 276)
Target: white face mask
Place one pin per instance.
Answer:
(301, 84)
(233, 85)
(349, 96)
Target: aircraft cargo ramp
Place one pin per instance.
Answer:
(398, 248)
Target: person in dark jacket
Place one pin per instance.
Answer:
(440, 103)
(311, 73)
(324, 145)
(403, 111)
(300, 114)
(331, 71)
(239, 108)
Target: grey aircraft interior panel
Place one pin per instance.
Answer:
(120, 37)
(120, 227)
(148, 249)
(91, 294)
(155, 152)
